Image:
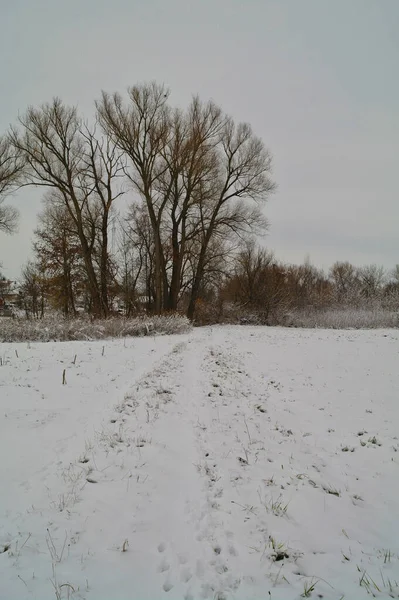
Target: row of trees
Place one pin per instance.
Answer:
(261, 284)
(251, 283)
(197, 182)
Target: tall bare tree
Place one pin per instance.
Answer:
(140, 128)
(190, 156)
(201, 177)
(61, 154)
(230, 203)
(10, 171)
(139, 240)
(104, 167)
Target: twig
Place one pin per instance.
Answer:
(30, 535)
(23, 581)
(249, 436)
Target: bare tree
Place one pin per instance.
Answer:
(140, 129)
(5, 287)
(190, 156)
(201, 178)
(61, 154)
(371, 278)
(129, 272)
(139, 240)
(250, 271)
(391, 289)
(258, 284)
(104, 166)
(345, 281)
(230, 202)
(33, 290)
(10, 171)
(58, 252)
(394, 275)
(308, 286)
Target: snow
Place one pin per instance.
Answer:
(225, 463)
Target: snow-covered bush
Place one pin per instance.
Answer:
(346, 318)
(56, 328)
(370, 317)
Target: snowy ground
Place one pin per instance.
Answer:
(227, 463)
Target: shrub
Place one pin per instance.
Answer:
(371, 317)
(346, 318)
(57, 328)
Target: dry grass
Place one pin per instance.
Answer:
(346, 318)
(369, 316)
(56, 328)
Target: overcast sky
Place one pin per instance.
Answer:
(317, 79)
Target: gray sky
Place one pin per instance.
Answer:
(317, 79)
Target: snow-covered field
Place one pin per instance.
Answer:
(227, 463)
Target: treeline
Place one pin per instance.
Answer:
(271, 292)
(249, 286)
(155, 208)
(196, 179)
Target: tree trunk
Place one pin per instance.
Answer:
(177, 256)
(197, 282)
(104, 266)
(95, 295)
(65, 278)
(157, 275)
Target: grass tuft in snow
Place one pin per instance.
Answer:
(367, 582)
(280, 550)
(372, 588)
(56, 555)
(373, 440)
(308, 588)
(387, 555)
(278, 507)
(331, 490)
(59, 587)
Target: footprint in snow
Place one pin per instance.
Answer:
(200, 569)
(221, 569)
(167, 586)
(164, 566)
(186, 575)
(207, 590)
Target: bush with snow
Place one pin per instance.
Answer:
(346, 318)
(56, 328)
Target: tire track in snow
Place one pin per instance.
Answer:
(179, 436)
(147, 458)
